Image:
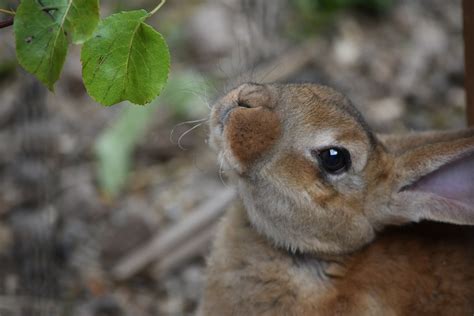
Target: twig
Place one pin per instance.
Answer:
(193, 248)
(157, 7)
(9, 12)
(161, 244)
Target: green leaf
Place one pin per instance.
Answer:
(114, 148)
(82, 19)
(40, 33)
(126, 59)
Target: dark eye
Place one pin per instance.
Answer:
(334, 160)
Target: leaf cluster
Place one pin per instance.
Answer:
(123, 58)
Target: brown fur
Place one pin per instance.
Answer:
(252, 132)
(312, 243)
(421, 269)
(401, 143)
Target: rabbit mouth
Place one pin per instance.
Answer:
(220, 115)
(224, 115)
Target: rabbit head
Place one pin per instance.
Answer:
(314, 178)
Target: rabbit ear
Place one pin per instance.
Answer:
(436, 182)
(404, 142)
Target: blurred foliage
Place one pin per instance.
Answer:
(329, 6)
(115, 146)
(313, 14)
(186, 95)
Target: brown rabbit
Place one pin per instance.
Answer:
(328, 226)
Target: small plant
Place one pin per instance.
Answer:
(328, 6)
(123, 58)
(313, 14)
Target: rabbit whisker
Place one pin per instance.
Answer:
(201, 121)
(187, 132)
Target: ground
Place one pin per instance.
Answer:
(61, 237)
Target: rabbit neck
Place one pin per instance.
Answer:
(320, 267)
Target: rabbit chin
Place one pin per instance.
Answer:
(298, 226)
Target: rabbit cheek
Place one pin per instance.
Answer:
(302, 175)
(251, 133)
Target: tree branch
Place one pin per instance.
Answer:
(9, 12)
(6, 23)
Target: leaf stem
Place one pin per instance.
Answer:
(157, 7)
(9, 12)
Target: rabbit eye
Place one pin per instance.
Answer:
(334, 160)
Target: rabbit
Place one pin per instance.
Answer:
(334, 219)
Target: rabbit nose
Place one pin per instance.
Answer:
(251, 132)
(224, 114)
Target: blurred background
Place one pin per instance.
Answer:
(110, 211)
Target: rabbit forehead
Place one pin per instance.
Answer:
(316, 117)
